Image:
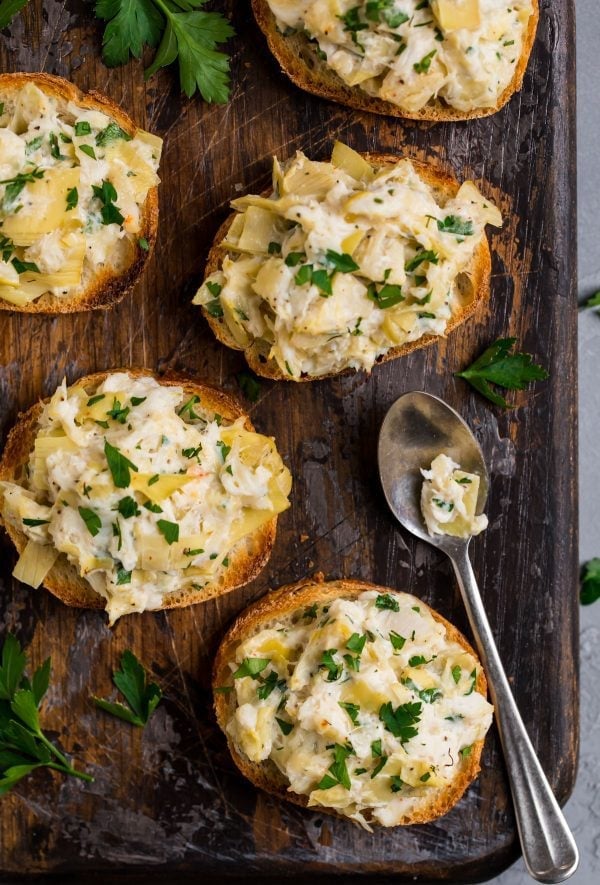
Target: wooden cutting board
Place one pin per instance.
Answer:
(167, 803)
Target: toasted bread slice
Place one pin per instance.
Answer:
(299, 59)
(104, 287)
(246, 559)
(473, 283)
(279, 607)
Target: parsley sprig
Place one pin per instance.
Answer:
(590, 582)
(181, 30)
(23, 745)
(142, 696)
(496, 365)
(8, 10)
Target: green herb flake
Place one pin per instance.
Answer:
(387, 601)
(496, 365)
(92, 520)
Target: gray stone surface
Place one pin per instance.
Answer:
(583, 809)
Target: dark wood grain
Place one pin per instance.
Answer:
(167, 802)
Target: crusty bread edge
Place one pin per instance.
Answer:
(322, 81)
(63, 580)
(280, 604)
(479, 271)
(107, 288)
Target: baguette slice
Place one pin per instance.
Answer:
(107, 288)
(298, 59)
(474, 282)
(247, 559)
(279, 606)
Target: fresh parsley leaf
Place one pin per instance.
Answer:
(118, 465)
(82, 127)
(397, 640)
(356, 642)
(386, 600)
(251, 667)
(92, 520)
(454, 225)
(23, 744)
(351, 709)
(112, 132)
(465, 752)
(496, 365)
(593, 300)
(249, 385)
(111, 214)
(72, 198)
(396, 783)
(338, 770)
(24, 266)
(142, 696)
(169, 530)
(88, 150)
(387, 296)
(35, 522)
(422, 67)
(590, 582)
(456, 673)
(342, 262)
(420, 257)
(128, 507)
(334, 670)
(269, 684)
(8, 10)
(286, 727)
(293, 259)
(180, 30)
(401, 722)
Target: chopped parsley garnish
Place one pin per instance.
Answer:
(72, 198)
(274, 248)
(117, 412)
(35, 522)
(473, 678)
(92, 520)
(356, 642)
(422, 67)
(112, 132)
(54, 147)
(192, 452)
(15, 185)
(128, 507)
(271, 682)
(293, 259)
(169, 530)
(396, 783)
(88, 150)
(123, 576)
(465, 752)
(107, 195)
(251, 667)
(286, 727)
(342, 262)
(82, 127)
(95, 399)
(387, 296)
(334, 671)
(397, 640)
(188, 407)
(310, 613)
(338, 771)
(454, 225)
(225, 449)
(401, 722)
(443, 505)
(144, 244)
(464, 481)
(420, 257)
(118, 465)
(496, 365)
(351, 709)
(24, 266)
(387, 601)
(456, 673)
(425, 777)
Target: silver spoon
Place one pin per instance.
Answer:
(418, 427)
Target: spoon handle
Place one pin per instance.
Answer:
(549, 849)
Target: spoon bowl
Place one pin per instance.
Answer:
(418, 428)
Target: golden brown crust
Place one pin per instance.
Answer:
(297, 58)
(476, 277)
(248, 558)
(108, 288)
(281, 604)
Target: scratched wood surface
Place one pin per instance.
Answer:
(167, 803)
